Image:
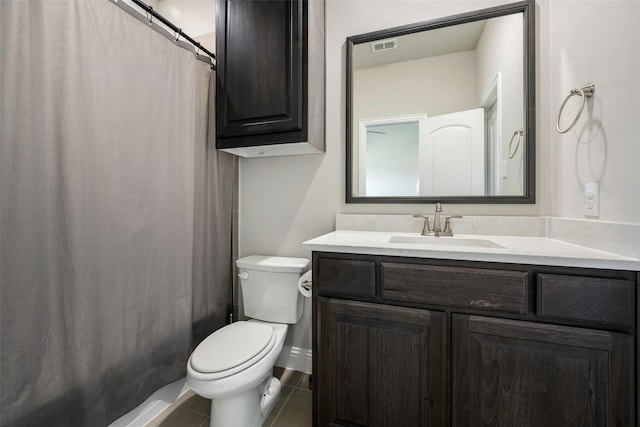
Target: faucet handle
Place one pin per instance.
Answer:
(425, 227)
(447, 223)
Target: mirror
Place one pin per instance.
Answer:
(444, 110)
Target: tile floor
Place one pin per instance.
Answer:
(293, 408)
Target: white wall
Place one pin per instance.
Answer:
(436, 85)
(597, 42)
(284, 201)
(197, 18)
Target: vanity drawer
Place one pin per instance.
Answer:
(496, 290)
(345, 277)
(604, 301)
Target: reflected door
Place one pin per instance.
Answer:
(452, 155)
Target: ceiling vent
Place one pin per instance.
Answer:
(382, 45)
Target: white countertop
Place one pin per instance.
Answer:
(519, 250)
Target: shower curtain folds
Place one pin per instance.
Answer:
(115, 212)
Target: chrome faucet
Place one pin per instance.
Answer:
(436, 220)
(437, 229)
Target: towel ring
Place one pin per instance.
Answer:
(519, 133)
(585, 92)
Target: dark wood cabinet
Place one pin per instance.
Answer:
(267, 64)
(375, 354)
(508, 373)
(424, 342)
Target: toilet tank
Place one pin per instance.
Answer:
(270, 287)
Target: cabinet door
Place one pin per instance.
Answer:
(513, 373)
(261, 72)
(380, 365)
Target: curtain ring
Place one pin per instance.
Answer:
(197, 48)
(584, 92)
(149, 13)
(178, 34)
(519, 133)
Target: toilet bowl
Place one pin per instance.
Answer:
(233, 366)
(246, 385)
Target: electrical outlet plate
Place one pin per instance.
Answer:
(504, 173)
(591, 199)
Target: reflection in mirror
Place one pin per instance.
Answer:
(434, 106)
(389, 157)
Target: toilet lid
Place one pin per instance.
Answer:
(231, 346)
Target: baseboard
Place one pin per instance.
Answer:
(296, 358)
(160, 400)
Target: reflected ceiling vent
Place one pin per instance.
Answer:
(382, 45)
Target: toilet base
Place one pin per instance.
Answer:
(248, 409)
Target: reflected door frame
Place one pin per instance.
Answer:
(491, 100)
(362, 141)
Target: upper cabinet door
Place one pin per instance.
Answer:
(261, 72)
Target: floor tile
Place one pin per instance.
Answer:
(178, 417)
(292, 409)
(185, 396)
(197, 404)
(287, 376)
(297, 410)
(304, 382)
(285, 392)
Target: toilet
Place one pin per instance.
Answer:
(234, 366)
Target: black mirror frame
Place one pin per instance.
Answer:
(527, 8)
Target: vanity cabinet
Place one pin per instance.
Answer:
(270, 82)
(509, 373)
(425, 342)
(383, 365)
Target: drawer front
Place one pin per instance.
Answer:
(604, 301)
(496, 290)
(345, 277)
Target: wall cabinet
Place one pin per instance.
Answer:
(270, 77)
(422, 342)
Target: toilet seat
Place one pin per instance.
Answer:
(232, 349)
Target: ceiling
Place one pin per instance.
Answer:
(424, 44)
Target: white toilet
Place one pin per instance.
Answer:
(233, 366)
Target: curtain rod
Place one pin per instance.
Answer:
(177, 31)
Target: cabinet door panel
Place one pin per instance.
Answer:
(261, 71)
(508, 373)
(381, 365)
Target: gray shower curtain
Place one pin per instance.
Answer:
(115, 212)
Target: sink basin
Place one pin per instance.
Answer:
(445, 241)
